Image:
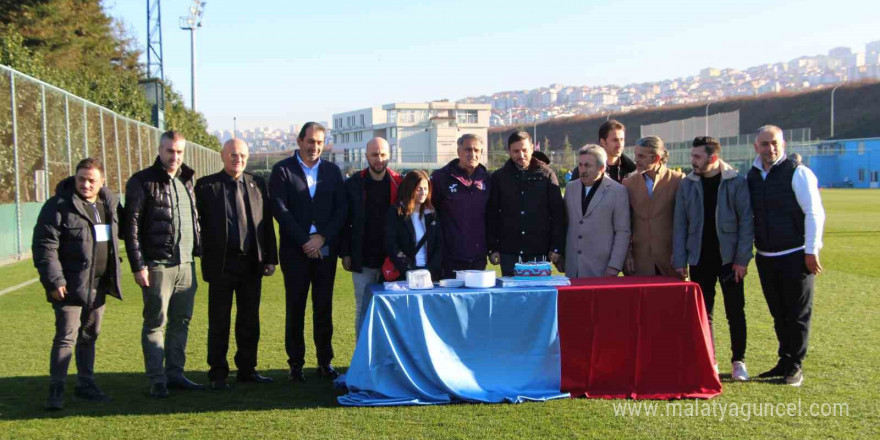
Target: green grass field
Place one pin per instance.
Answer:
(841, 368)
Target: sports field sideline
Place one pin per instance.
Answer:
(841, 374)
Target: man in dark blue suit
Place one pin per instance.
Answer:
(308, 201)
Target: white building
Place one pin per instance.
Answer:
(421, 135)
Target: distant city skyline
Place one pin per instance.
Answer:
(283, 64)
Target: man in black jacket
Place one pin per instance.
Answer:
(525, 215)
(162, 237)
(308, 201)
(75, 248)
(370, 192)
(238, 244)
(612, 137)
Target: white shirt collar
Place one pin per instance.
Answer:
(760, 165)
(303, 164)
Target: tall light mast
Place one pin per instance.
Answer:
(191, 23)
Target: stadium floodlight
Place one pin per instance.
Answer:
(191, 23)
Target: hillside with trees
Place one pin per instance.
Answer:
(76, 46)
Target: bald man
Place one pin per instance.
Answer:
(370, 192)
(238, 249)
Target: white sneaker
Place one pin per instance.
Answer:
(738, 371)
(715, 366)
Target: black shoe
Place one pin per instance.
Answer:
(55, 401)
(794, 377)
(296, 374)
(220, 385)
(254, 377)
(159, 391)
(327, 371)
(182, 383)
(90, 391)
(777, 371)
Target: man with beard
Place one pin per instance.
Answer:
(612, 138)
(713, 235)
(461, 191)
(76, 252)
(525, 215)
(370, 192)
(652, 200)
(162, 239)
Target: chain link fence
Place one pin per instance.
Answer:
(45, 131)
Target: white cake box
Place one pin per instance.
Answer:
(419, 279)
(479, 278)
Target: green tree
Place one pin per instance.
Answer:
(568, 159)
(497, 154)
(190, 123)
(76, 46)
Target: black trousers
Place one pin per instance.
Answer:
(734, 304)
(241, 277)
(508, 261)
(788, 289)
(300, 272)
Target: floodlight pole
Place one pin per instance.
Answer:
(191, 23)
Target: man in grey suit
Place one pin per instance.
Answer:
(598, 219)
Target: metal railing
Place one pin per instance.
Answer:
(45, 131)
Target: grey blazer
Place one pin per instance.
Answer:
(600, 238)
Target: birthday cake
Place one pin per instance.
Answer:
(532, 270)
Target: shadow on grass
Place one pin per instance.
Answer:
(22, 398)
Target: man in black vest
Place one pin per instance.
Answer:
(308, 200)
(238, 242)
(789, 219)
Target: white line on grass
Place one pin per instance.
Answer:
(13, 288)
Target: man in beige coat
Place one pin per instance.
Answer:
(598, 219)
(652, 199)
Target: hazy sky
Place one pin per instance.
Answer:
(270, 62)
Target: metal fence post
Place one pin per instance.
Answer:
(128, 150)
(15, 164)
(118, 159)
(140, 151)
(101, 125)
(85, 130)
(45, 145)
(67, 131)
